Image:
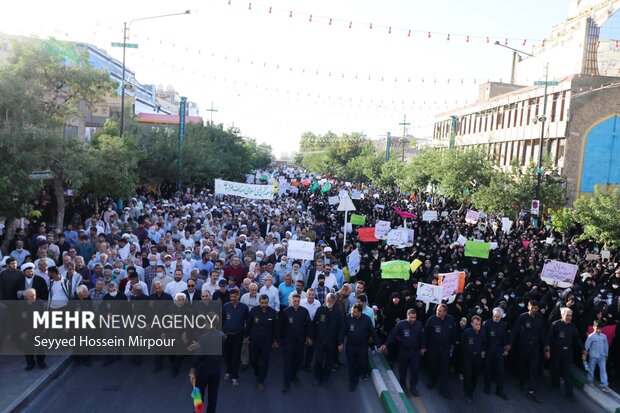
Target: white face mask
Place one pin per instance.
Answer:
(113, 294)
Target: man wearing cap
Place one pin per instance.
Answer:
(29, 280)
(222, 292)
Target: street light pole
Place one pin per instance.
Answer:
(542, 118)
(405, 124)
(125, 39)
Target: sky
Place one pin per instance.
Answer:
(275, 75)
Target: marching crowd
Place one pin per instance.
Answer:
(198, 246)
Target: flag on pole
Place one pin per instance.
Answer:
(326, 187)
(314, 187)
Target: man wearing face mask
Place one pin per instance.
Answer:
(321, 289)
(161, 277)
(495, 335)
(529, 330)
(150, 272)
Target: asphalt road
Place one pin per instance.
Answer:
(123, 387)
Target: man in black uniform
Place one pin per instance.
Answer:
(235, 315)
(358, 329)
(495, 343)
(411, 346)
(472, 343)
(440, 336)
(561, 338)
(261, 333)
(207, 362)
(326, 327)
(529, 329)
(295, 332)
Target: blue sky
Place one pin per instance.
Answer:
(260, 68)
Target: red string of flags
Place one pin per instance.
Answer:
(388, 29)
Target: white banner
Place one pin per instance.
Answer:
(429, 293)
(429, 216)
(559, 273)
(355, 194)
(249, 178)
(302, 250)
(333, 200)
(353, 262)
(461, 240)
(243, 190)
(381, 229)
(506, 224)
(472, 216)
(397, 236)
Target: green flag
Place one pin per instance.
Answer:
(395, 269)
(326, 187)
(358, 219)
(477, 249)
(314, 186)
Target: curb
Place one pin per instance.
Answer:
(382, 389)
(30, 392)
(609, 402)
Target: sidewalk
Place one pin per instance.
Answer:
(609, 402)
(17, 385)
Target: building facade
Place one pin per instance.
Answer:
(582, 117)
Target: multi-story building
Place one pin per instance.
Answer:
(582, 118)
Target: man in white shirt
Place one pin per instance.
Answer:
(310, 304)
(272, 292)
(212, 284)
(177, 285)
(299, 289)
(187, 241)
(251, 297)
(330, 279)
(188, 262)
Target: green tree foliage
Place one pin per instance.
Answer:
(563, 220)
(599, 215)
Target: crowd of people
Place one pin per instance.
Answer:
(198, 246)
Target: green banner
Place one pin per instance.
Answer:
(326, 187)
(477, 249)
(358, 219)
(395, 269)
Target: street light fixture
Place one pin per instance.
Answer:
(542, 119)
(125, 39)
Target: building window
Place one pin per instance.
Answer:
(71, 131)
(562, 106)
(521, 113)
(554, 105)
(529, 114)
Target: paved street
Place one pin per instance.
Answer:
(124, 387)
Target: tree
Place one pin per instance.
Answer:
(112, 162)
(563, 221)
(49, 80)
(599, 215)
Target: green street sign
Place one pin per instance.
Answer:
(549, 83)
(127, 45)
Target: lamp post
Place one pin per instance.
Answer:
(125, 39)
(542, 119)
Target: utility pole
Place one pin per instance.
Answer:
(543, 119)
(211, 110)
(182, 110)
(405, 124)
(125, 38)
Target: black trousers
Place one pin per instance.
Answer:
(232, 354)
(293, 358)
(208, 379)
(324, 359)
(472, 363)
(357, 363)
(494, 369)
(309, 355)
(561, 361)
(529, 361)
(409, 361)
(438, 365)
(260, 352)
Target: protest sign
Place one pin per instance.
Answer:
(472, 216)
(559, 273)
(429, 216)
(506, 224)
(381, 229)
(302, 250)
(592, 257)
(415, 264)
(410, 237)
(333, 200)
(367, 234)
(249, 178)
(605, 255)
(429, 293)
(397, 236)
(493, 245)
(355, 194)
(243, 190)
(395, 269)
(343, 193)
(477, 249)
(353, 262)
(461, 240)
(444, 214)
(549, 240)
(452, 283)
(379, 206)
(358, 219)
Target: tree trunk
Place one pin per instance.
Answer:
(9, 228)
(96, 204)
(60, 202)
